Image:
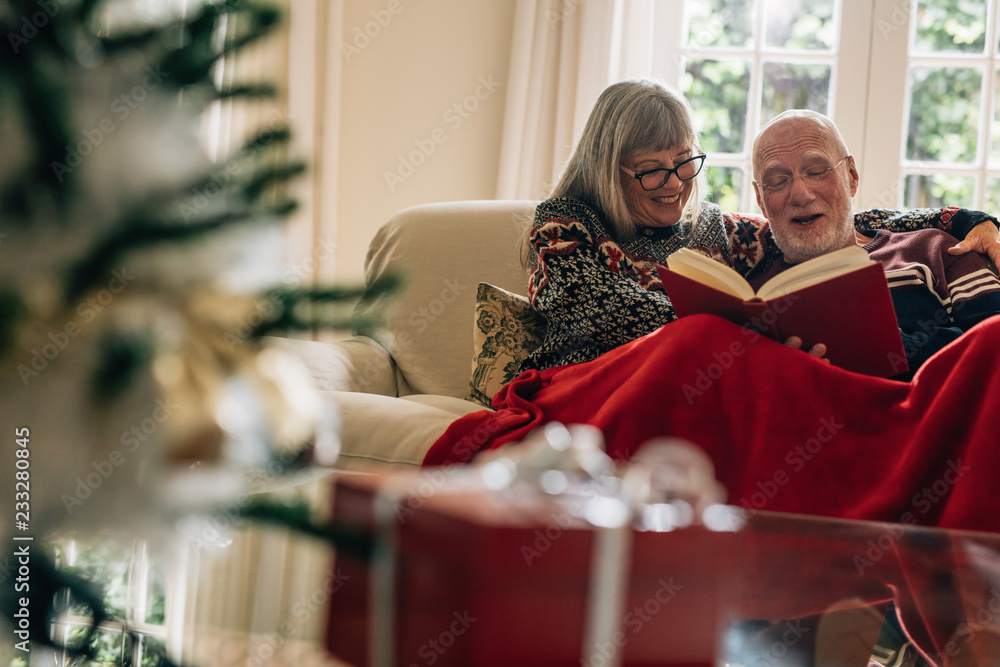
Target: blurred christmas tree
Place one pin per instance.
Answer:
(124, 258)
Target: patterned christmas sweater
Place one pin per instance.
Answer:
(597, 293)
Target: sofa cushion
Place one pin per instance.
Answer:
(506, 330)
(380, 431)
(441, 252)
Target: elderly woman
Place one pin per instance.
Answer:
(628, 198)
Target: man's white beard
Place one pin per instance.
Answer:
(805, 245)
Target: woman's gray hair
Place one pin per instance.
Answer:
(629, 118)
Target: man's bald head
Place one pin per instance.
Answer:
(791, 123)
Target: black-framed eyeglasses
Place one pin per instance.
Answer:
(651, 179)
(812, 176)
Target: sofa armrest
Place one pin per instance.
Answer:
(358, 363)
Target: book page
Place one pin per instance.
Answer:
(814, 271)
(709, 272)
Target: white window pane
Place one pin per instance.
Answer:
(719, 23)
(794, 86)
(718, 91)
(922, 191)
(724, 186)
(944, 113)
(949, 26)
(801, 24)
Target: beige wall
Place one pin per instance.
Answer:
(399, 90)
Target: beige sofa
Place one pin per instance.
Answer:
(399, 389)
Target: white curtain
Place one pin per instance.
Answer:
(564, 53)
(261, 600)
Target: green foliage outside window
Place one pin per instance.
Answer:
(717, 90)
(923, 191)
(801, 24)
(944, 114)
(115, 567)
(719, 23)
(724, 186)
(950, 25)
(106, 563)
(946, 102)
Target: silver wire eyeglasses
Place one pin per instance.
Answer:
(812, 176)
(651, 179)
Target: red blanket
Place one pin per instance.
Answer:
(788, 432)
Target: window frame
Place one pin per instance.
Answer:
(137, 583)
(854, 17)
(886, 167)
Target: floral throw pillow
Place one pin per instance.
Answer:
(507, 329)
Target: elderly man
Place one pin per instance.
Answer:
(804, 179)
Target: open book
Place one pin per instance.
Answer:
(840, 299)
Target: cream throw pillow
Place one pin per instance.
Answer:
(507, 329)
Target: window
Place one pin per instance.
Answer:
(135, 587)
(951, 148)
(912, 85)
(742, 63)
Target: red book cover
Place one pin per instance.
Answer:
(852, 314)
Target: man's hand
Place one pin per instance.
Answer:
(818, 350)
(984, 239)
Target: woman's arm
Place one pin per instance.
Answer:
(958, 222)
(976, 230)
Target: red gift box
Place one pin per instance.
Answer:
(468, 576)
